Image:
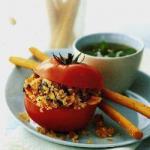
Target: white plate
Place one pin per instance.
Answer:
(139, 90)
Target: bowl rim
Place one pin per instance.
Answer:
(139, 40)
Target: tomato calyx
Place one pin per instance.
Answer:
(70, 59)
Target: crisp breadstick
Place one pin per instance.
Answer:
(56, 9)
(65, 29)
(60, 18)
(127, 102)
(53, 14)
(26, 63)
(121, 120)
(38, 54)
(58, 4)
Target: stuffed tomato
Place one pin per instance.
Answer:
(63, 94)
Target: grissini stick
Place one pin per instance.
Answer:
(58, 4)
(22, 62)
(121, 120)
(53, 15)
(127, 102)
(65, 29)
(38, 54)
(60, 8)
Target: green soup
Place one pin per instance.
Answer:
(104, 49)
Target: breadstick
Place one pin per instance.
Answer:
(61, 16)
(21, 62)
(127, 102)
(65, 29)
(38, 54)
(58, 4)
(56, 11)
(121, 120)
(53, 14)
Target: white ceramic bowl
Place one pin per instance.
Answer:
(119, 72)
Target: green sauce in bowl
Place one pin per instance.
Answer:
(104, 49)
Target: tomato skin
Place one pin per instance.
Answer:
(60, 119)
(73, 75)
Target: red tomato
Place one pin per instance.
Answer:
(60, 119)
(73, 75)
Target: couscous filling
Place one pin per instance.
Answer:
(48, 94)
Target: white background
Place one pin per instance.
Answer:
(32, 27)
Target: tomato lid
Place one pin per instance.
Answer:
(73, 75)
